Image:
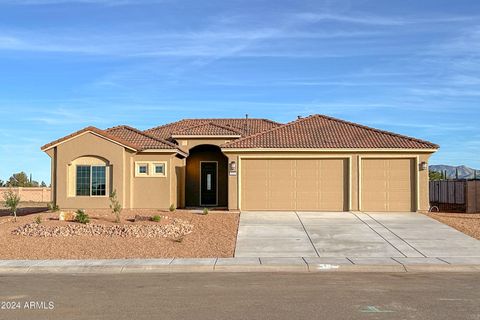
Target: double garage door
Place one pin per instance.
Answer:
(294, 184)
(323, 184)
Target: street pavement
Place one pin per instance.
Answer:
(242, 296)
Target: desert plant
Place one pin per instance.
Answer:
(53, 207)
(115, 205)
(172, 208)
(205, 211)
(82, 217)
(38, 220)
(156, 218)
(12, 200)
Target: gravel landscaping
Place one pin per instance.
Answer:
(182, 233)
(468, 223)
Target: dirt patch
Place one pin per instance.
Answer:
(468, 223)
(25, 208)
(212, 235)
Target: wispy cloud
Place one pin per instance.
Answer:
(97, 2)
(368, 19)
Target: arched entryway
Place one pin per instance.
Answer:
(206, 178)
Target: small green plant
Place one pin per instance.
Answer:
(38, 220)
(205, 211)
(172, 208)
(115, 205)
(53, 207)
(12, 200)
(82, 217)
(156, 218)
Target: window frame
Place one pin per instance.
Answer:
(151, 166)
(91, 180)
(154, 169)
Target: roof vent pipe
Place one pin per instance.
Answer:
(299, 117)
(246, 124)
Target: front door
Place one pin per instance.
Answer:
(208, 183)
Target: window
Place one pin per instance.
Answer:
(143, 169)
(83, 180)
(91, 181)
(150, 169)
(99, 186)
(159, 168)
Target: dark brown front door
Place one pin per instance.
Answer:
(208, 183)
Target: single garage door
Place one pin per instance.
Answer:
(294, 184)
(388, 185)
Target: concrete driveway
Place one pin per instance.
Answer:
(346, 234)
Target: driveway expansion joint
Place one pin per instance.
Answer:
(396, 235)
(308, 235)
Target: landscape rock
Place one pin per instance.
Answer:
(177, 229)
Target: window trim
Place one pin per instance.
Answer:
(90, 184)
(151, 169)
(154, 167)
(138, 165)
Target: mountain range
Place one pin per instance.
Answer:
(464, 172)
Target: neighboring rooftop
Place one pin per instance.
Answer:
(323, 132)
(243, 125)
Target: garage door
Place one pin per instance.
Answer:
(388, 185)
(294, 184)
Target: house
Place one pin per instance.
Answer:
(313, 163)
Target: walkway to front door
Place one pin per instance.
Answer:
(344, 234)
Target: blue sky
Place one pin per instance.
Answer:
(412, 67)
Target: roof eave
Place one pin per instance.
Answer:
(83, 132)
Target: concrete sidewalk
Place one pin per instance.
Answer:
(268, 264)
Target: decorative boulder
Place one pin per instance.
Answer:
(67, 216)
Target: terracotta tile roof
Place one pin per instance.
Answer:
(323, 132)
(208, 129)
(141, 140)
(124, 135)
(94, 130)
(246, 127)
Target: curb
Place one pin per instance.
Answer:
(218, 265)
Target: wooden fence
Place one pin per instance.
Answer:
(455, 195)
(30, 194)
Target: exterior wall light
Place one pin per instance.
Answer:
(232, 167)
(423, 166)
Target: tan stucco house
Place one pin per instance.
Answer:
(313, 163)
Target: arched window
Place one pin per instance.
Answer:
(89, 177)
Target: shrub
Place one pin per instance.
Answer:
(12, 200)
(156, 218)
(205, 211)
(82, 217)
(172, 208)
(53, 207)
(38, 220)
(115, 205)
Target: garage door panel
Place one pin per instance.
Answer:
(295, 184)
(388, 185)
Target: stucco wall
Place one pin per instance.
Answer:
(152, 191)
(88, 145)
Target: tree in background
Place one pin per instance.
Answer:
(435, 175)
(43, 184)
(21, 180)
(2, 184)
